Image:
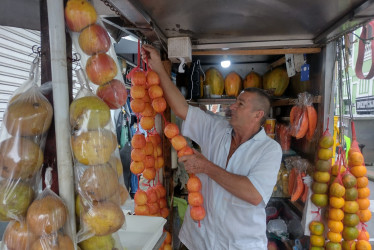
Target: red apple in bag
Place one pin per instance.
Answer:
(94, 39)
(79, 14)
(114, 94)
(101, 68)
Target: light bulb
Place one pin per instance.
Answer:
(225, 63)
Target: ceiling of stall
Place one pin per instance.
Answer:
(216, 24)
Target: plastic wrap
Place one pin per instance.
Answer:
(303, 117)
(98, 168)
(27, 119)
(45, 221)
(98, 58)
(283, 136)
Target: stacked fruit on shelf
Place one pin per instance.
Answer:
(91, 40)
(320, 188)
(24, 129)
(358, 169)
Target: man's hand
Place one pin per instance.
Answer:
(149, 53)
(195, 163)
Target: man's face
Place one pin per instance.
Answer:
(243, 111)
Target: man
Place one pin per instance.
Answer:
(238, 167)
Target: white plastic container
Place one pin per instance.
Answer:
(142, 232)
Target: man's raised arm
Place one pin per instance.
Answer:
(172, 95)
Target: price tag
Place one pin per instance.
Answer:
(304, 72)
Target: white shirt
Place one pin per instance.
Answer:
(230, 222)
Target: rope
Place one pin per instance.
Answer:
(340, 91)
(347, 79)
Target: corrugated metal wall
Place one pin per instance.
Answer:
(15, 59)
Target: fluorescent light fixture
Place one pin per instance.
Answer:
(225, 63)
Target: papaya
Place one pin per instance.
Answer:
(299, 122)
(312, 122)
(303, 129)
(233, 84)
(277, 80)
(252, 80)
(298, 189)
(214, 79)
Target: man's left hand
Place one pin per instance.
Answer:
(195, 163)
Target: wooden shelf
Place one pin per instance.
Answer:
(207, 101)
(293, 101)
(227, 100)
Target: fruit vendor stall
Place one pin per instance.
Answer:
(68, 144)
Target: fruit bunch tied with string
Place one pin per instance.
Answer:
(92, 41)
(356, 165)
(195, 198)
(338, 205)
(320, 187)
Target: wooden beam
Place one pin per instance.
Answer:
(257, 52)
(277, 62)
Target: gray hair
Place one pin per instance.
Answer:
(263, 101)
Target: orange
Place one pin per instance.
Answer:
(359, 171)
(351, 194)
(322, 177)
(317, 240)
(336, 214)
(334, 237)
(324, 154)
(337, 190)
(350, 207)
(336, 202)
(355, 159)
(320, 188)
(320, 200)
(316, 248)
(335, 169)
(363, 192)
(362, 182)
(363, 203)
(333, 246)
(323, 166)
(168, 238)
(316, 227)
(348, 245)
(351, 220)
(363, 235)
(350, 233)
(363, 245)
(349, 180)
(335, 226)
(365, 215)
(326, 141)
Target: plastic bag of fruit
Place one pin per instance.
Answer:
(26, 121)
(283, 136)
(98, 58)
(303, 117)
(44, 225)
(98, 168)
